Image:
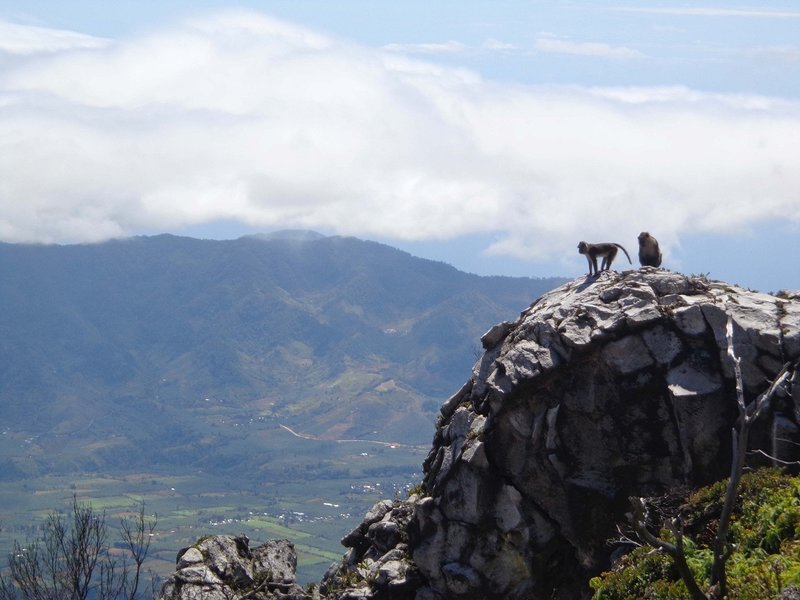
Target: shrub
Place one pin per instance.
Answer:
(765, 530)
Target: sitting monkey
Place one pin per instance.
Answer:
(649, 254)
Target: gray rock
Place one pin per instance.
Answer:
(278, 558)
(384, 535)
(475, 455)
(689, 379)
(637, 401)
(378, 511)
(190, 557)
(627, 355)
(426, 593)
(391, 573)
(460, 578)
(229, 557)
(495, 335)
(199, 576)
(452, 403)
(789, 323)
(459, 425)
(508, 509)
(602, 389)
(663, 344)
(223, 567)
(690, 320)
(362, 593)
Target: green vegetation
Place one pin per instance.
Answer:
(765, 530)
(161, 369)
(417, 488)
(296, 495)
(147, 342)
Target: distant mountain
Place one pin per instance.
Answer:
(299, 235)
(136, 343)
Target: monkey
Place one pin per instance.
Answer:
(649, 254)
(607, 250)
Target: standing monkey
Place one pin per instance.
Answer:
(607, 250)
(649, 254)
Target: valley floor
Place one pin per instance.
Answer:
(314, 504)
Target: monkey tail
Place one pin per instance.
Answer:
(625, 251)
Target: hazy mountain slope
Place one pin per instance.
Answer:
(151, 340)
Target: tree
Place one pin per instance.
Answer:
(71, 559)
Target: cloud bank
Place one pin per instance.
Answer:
(237, 116)
(702, 11)
(549, 43)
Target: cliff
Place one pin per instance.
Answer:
(602, 389)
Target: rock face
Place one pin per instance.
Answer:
(378, 563)
(223, 567)
(604, 388)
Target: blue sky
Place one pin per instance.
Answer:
(490, 135)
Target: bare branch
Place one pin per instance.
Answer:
(624, 538)
(765, 399)
(639, 522)
(137, 534)
(737, 369)
(722, 549)
(675, 551)
(788, 463)
(70, 559)
(786, 441)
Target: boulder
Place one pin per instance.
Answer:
(223, 567)
(605, 388)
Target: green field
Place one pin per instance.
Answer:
(310, 492)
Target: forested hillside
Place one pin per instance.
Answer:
(146, 342)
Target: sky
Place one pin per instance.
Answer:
(492, 135)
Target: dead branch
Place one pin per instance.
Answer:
(722, 549)
(788, 463)
(675, 551)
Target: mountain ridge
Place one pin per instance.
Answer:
(275, 327)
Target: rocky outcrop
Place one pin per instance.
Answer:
(604, 388)
(379, 561)
(223, 567)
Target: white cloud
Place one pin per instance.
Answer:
(449, 47)
(776, 54)
(547, 43)
(25, 39)
(493, 44)
(242, 117)
(701, 11)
